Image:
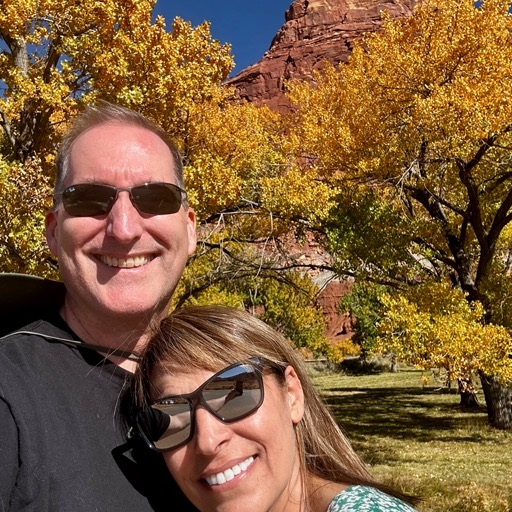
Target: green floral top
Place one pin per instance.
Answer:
(359, 498)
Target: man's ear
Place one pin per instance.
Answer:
(52, 231)
(192, 231)
(295, 394)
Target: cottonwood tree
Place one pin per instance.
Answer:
(416, 134)
(245, 196)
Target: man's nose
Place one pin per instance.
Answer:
(124, 222)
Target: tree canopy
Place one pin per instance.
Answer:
(416, 134)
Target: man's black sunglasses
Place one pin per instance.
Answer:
(230, 395)
(91, 199)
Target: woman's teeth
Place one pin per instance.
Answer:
(229, 474)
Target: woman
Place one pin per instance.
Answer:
(229, 404)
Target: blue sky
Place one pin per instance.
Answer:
(248, 26)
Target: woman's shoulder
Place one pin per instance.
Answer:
(361, 498)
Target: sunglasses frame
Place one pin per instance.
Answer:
(175, 190)
(195, 399)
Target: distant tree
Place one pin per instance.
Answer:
(415, 132)
(364, 303)
(433, 326)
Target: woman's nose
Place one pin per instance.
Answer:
(210, 434)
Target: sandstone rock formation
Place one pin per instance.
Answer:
(315, 31)
(338, 326)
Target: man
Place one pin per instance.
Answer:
(122, 231)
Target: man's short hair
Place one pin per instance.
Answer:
(101, 113)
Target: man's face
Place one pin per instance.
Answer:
(122, 262)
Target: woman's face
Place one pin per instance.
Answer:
(248, 465)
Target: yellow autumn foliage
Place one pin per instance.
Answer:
(229, 149)
(435, 327)
(416, 134)
(23, 189)
(297, 193)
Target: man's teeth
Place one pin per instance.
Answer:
(136, 261)
(229, 474)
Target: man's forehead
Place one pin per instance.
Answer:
(121, 146)
(119, 132)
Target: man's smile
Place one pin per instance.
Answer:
(131, 262)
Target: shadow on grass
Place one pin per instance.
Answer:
(418, 439)
(403, 413)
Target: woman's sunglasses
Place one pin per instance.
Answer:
(90, 199)
(230, 395)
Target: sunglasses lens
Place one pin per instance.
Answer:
(157, 198)
(88, 200)
(231, 395)
(168, 424)
(234, 394)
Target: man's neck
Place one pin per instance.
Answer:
(128, 333)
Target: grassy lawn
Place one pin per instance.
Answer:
(417, 439)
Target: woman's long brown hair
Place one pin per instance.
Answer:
(211, 337)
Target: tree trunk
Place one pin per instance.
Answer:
(394, 364)
(468, 400)
(498, 398)
(467, 393)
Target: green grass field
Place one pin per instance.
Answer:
(417, 439)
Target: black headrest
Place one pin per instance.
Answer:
(24, 299)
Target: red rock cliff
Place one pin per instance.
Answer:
(315, 31)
